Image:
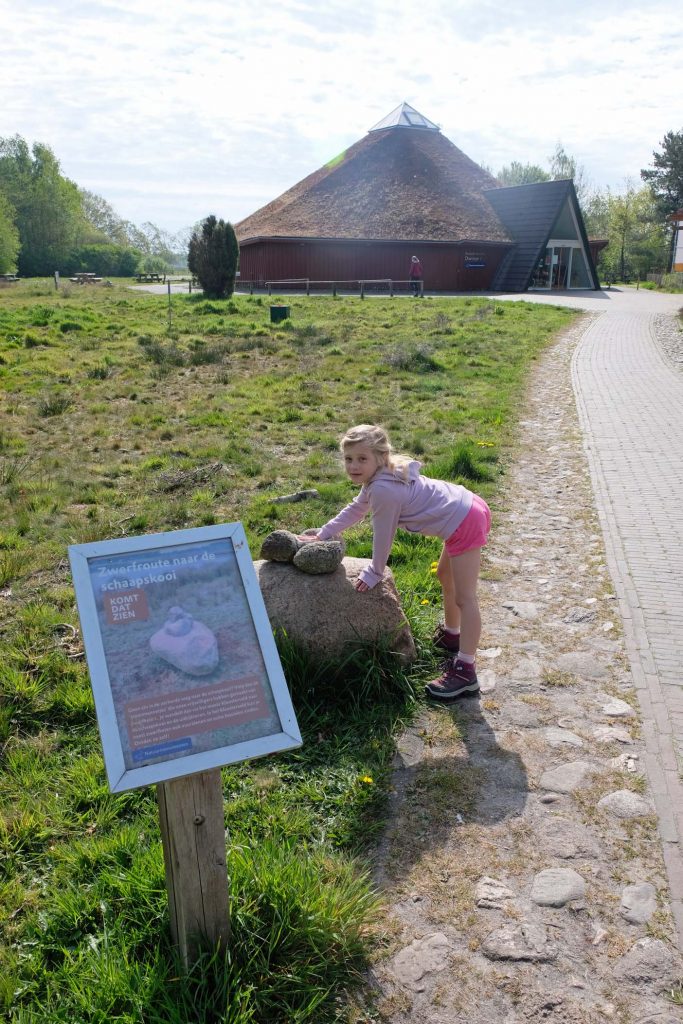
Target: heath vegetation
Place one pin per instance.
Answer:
(119, 416)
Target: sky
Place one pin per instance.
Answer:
(172, 111)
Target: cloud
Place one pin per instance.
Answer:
(169, 110)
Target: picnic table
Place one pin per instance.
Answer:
(155, 278)
(85, 278)
(9, 278)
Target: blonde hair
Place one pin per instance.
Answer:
(377, 440)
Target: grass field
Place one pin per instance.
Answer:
(118, 417)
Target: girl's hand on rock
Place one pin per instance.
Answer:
(306, 537)
(360, 586)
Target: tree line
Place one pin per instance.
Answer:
(636, 220)
(48, 223)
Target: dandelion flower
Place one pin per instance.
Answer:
(425, 601)
(367, 779)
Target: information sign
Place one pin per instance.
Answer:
(183, 664)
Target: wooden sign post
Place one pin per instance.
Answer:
(193, 836)
(186, 678)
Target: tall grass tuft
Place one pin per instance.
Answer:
(12, 562)
(461, 463)
(365, 674)
(100, 372)
(412, 359)
(54, 404)
(13, 468)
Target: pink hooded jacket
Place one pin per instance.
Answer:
(419, 504)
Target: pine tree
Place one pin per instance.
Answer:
(212, 257)
(666, 177)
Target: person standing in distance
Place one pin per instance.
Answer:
(415, 275)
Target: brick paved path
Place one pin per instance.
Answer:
(630, 402)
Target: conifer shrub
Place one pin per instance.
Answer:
(212, 257)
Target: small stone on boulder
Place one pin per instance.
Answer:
(319, 556)
(280, 546)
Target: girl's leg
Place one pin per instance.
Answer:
(465, 572)
(451, 611)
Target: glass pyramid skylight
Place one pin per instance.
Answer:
(405, 116)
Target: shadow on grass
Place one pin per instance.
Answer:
(448, 775)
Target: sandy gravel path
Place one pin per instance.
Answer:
(524, 864)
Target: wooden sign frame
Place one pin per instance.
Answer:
(125, 589)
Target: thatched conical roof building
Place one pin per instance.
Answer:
(403, 189)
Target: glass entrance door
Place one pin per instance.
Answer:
(561, 266)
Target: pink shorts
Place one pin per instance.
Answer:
(473, 531)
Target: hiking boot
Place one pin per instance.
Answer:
(446, 641)
(457, 680)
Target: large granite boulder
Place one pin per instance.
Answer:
(325, 614)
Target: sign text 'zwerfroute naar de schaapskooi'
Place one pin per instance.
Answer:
(183, 664)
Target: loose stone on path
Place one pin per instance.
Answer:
(522, 609)
(566, 777)
(617, 708)
(487, 680)
(562, 737)
(612, 734)
(556, 886)
(421, 957)
(585, 666)
(625, 804)
(567, 839)
(527, 941)
(638, 903)
(650, 962)
(491, 894)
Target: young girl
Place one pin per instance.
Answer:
(393, 489)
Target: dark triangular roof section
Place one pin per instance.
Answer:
(391, 185)
(405, 116)
(529, 212)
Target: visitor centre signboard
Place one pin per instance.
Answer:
(183, 664)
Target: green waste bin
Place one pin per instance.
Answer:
(279, 313)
